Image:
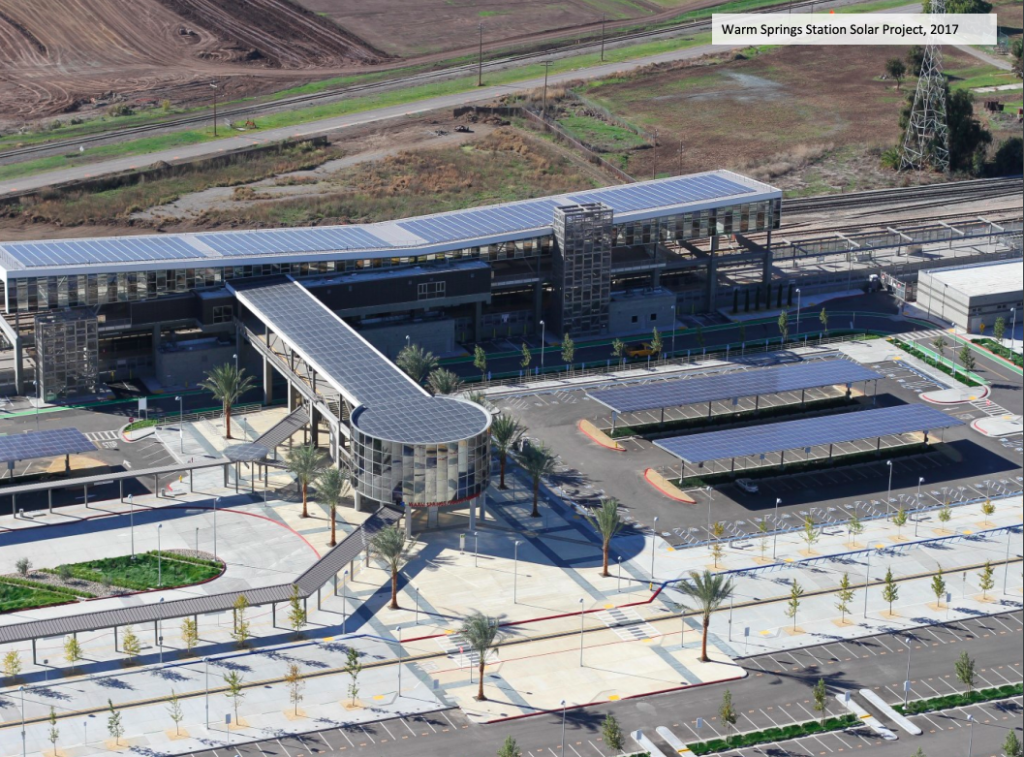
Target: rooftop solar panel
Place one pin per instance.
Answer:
(788, 378)
(806, 432)
(52, 443)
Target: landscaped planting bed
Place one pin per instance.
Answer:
(961, 700)
(771, 735)
(958, 373)
(1004, 352)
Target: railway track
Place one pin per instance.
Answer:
(960, 191)
(251, 110)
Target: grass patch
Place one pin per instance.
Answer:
(600, 135)
(1004, 352)
(14, 597)
(800, 466)
(960, 700)
(651, 430)
(146, 423)
(784, 733)
(141, 573)
(947, 367)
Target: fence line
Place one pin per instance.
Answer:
(587, 151)
(607, 115)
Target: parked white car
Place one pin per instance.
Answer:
(747, 485)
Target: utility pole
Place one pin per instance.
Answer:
(603, 19)
(480, 60)
(544, 109)
(655, 154)
(214, 86)
(680, 159)
(926, 141)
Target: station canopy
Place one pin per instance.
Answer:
(51, 443)
(805, 433)
(677, 392)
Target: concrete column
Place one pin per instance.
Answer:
(472, 515)
(314, 425)
(482, 501)
(19, 365)
(711, 292)
(432, 517)
(268, 382)
(656, 278)
(357, 500)
(768, 261)
(408, 521)
(478, 321)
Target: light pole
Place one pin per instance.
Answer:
(970, 742)
(21, 690)
(563, 728)
(707, 490)
(906, 686)
(544, 108)
(1006, 561)
(235, 356)
(344, 601)
(888, 495)
(654, 547)
(131, 521)
(206, 666)
(159, 557)
(917, 522)
(798, 313)
(515, 570)
(399, 630)
(673, 330)
(867, 577)
(581, 632)
(36, 385)
(181, 423)
(775, 533)
(542, 328)
(408, 341)
(216, 501)
(1013, 328)
(476, 548)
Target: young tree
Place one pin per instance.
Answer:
(480, 361)
(1012, 746)
(611, 732)
(821, 700)
(390, 544)
(940, 344)
(793, 605)
(227, 384)
(810, 534)
(53, 732)
(967, 358)
(762, 528)
(115, 726)
(938, 587)
(900, 519)
(988, 508)
(296, 611)
(964, 667)
(23, 566)
(538, 462)
(12, 666)
(506, 433)
(241, 631)
(784, 326)
(568, 350)
(527, 357)
(657, 344)
(707, 591)
(717, 532)
(998, 329)
(353, 667)
(844, 596)
(72, 651)
(293, 680)
(189, 635)
(175, 712)
(854, 527)
(416, 362)
(698, 333)
(986, 581)
(726, 711)
(897, 70)
(618, 350)
(236, 693)
(890, 591)
(130, 645)
(482, 633)
(329, 483)
(510, 748)
(442, 381)
(823, 318)
(607, 523)
(305, 463)
(945, 512)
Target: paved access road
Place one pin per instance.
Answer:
(777, 691)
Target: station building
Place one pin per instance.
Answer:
(972, 295)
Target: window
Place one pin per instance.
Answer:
(430, 289)
(635, 318)
(654, 316)
(223, 313)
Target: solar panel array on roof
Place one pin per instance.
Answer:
(806, 432)
(427, 421)
(788, 378)
(677, 191)
(92, 251)
(482, 222)
(291, 240)
(328, 342)
(51, 443)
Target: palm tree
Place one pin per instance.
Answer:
(329, 484)
(482, 633)
(416, 361)
(305, 463)
(227, 383)
(607, 522)
(707, 591)
(538, 462)
(506, 432)
(443, 381)
(391, 544)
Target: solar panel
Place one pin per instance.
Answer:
(430, 420)
(806, 432)
(788, 378)
(52, 443)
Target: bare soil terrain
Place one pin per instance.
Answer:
(63, 56)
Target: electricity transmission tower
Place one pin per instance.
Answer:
(927, 138)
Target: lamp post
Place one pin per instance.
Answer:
(344, 601)
(206, 666)
(563, 728)
(654, 547)
(216, 501)
(970, 742)
(181, 423)
(917, 521)
(131, 521)
(581, 632)
(673, 310)
(21, 690)
(476, 548)
(867, 577)
(235, 356)
(775, 533)
(515, 570)
(707, 490)
(544, 107)
(798, 313)
(399, 630)
(1013, 328)
(159, 557)
(906, 686)
(888, 494)
(542, 329)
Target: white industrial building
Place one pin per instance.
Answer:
(971, 295)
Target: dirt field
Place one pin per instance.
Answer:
(809, 119)
(60, 56)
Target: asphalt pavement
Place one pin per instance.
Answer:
(776, 691)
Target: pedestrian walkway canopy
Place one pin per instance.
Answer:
(728, 386)
(806, 433)
(51, 443)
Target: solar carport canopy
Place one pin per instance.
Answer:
(632, 399)
(807, 432)
(53, 443)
